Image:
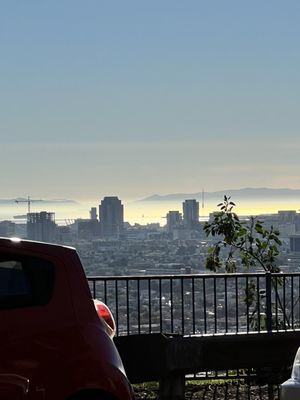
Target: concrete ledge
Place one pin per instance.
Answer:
(155, 356)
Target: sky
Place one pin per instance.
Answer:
(133, 98)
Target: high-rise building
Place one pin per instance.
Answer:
(41, 226)
(174, 220)
(191, 214)
(111, 214)
(93, 213)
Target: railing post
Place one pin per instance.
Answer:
(269, 301)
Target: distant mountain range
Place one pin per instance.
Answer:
(249, 193)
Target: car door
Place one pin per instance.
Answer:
(26, 286)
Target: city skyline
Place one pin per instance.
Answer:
(133, 98)
(155, 209)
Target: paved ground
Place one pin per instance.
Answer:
(230, 391)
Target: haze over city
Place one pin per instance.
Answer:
(136, 98)
(153, 209)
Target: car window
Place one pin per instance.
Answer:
(25, 281)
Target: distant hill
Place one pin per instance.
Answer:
(236, 194)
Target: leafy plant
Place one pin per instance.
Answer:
(248, 243)
(243, 243)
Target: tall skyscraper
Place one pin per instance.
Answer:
(93, 214)
(111, 217)
(191, 214)
(174, 220)
(41, 226)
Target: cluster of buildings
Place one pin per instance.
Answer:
(111, 224)
(109, 245)
(42, 226)
(107, 222)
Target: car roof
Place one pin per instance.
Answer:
(17, 244)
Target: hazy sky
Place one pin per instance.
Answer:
(132, 98)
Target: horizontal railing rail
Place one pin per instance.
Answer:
(201, 303)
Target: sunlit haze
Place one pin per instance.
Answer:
(142, 212)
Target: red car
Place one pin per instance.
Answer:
(53, 344)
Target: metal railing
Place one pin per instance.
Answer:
(201, 304)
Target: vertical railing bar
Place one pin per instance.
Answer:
(117, 306)
(149, 305)
(226, 303)
(258, 302)
(171, 299)
(297, 301)
(160, 305)
(105, 291)
(247, 304)
(268, 298)
(292, 302)
(215, 304)
(193, 305)
(182, 306)
(139, 305)
(276, 302)
(284, 303)
(127, 306)
(236, 305)
(204, 304)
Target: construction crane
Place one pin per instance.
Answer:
(28, 201)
